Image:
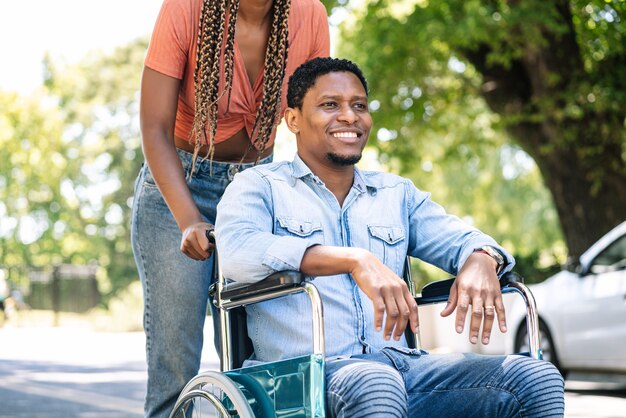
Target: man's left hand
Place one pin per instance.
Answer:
(477, 286)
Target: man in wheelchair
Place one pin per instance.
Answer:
(349, 231)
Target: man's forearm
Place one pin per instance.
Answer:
(324, 260)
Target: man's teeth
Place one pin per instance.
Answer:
(345, 135)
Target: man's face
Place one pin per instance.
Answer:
(334, 123)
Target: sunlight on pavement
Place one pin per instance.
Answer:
(579, 405)
(64, 372)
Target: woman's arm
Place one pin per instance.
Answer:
(158, 103)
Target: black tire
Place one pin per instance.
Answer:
(548, 348)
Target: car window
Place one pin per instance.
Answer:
(612, 258)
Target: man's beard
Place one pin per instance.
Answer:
(343, 160)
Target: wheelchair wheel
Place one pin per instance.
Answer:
(211, 395)
(548, 348)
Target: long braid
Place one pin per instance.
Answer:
(276, 53)
(206, 74)
(229, 51)
(212, 26)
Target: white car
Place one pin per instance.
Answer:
(582, 310)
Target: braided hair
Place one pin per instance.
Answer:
(213, 24)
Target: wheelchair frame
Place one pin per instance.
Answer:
(229, 296)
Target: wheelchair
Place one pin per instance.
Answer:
(293, 387)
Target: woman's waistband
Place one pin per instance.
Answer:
(215, 168)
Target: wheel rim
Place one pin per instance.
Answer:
(211, 395)
(201, 403)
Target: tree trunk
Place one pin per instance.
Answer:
(588, 204)
(580, 157)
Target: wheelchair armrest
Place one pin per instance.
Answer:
(437, 292)
(280, 280)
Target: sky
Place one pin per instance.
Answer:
(67, 29)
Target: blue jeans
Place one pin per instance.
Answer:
(175, 287)
(397, 382)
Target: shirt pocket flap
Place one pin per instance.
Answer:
(300, 228)
(390, 234)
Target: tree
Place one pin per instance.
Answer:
(99, 100)
(550, 74)
(72, 153)
(36, 208)
(103, 98)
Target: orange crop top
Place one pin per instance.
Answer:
(172, 52)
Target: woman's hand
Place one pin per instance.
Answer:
(195, 243)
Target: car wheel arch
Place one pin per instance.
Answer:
(545, 329)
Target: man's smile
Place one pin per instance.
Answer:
(347, 136)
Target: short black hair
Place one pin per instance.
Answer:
(306, 74)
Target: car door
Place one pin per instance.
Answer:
(595, 327)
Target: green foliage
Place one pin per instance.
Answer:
(36, 162)
(73, 151)
(70, 152)
(430, 65)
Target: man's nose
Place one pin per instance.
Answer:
(347, 115)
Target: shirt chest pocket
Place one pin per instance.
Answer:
(300, 228)
(387, 243)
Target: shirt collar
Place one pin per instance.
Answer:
(299, 170)
(364, 181)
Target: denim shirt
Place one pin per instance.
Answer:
(271, 214)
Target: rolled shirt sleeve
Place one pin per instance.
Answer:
(248, 249)
(442, 239)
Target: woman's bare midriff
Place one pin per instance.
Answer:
(229, 151)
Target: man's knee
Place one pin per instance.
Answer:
(538, 386)
(366, 389)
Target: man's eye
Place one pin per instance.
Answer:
(329, 104)
(360, 106)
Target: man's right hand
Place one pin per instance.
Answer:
(389, 294)
(195, 243)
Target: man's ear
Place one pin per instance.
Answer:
(291, 117)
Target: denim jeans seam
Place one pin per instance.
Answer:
(402, 368)
(147, 288)
(490, 385)
(338, 401)
(257, 337)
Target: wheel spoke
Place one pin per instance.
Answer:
(211, 395)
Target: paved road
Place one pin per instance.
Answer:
(73, 372)
(78, 373)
